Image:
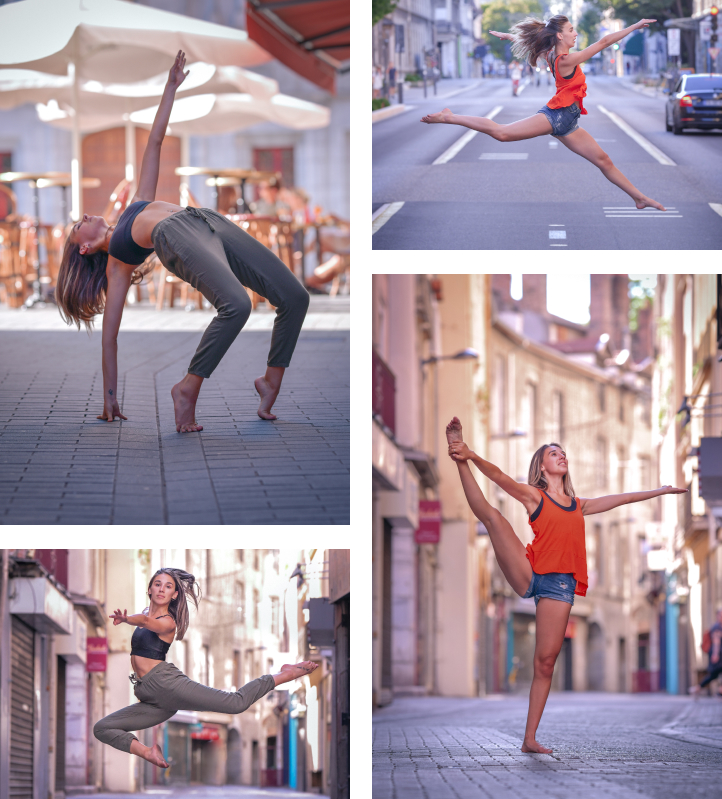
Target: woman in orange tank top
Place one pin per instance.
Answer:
(554, 566)
(531, 40)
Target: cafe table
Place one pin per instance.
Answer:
(222, 177)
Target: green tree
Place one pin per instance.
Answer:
(632, 11)
(500, 15)
(382, 8)
(588, 26)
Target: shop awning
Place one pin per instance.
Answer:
(635, 45)
(311, 37)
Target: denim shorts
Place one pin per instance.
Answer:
(552, 586)
(563, 120)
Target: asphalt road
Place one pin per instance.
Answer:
(536, 194)
(616, 746)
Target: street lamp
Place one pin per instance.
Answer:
(467, 354)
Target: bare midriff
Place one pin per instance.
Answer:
(141, 666)
(143, 226)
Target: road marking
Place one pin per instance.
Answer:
(553, 143)
(633, 208)
(632, 212)
(555, 224)
(557, 245)
(383, 214)
(523, 86)
(557, 234)
(503, 156)
(638, 216)
(716, 207)
(645, 144)
(461, 142)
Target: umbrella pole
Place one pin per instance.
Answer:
(76, 164)
(130, 155)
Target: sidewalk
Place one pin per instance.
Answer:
(615, 746)
(207, 791)
(60, 465)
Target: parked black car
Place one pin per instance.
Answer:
(696, 102)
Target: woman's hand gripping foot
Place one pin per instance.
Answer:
(185, 396)
(441, 116)
(536, 748)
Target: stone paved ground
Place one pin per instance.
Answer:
(60, 465)
(616, 746)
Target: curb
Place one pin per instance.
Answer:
(389, 111)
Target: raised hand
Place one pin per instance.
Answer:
(458, 451)
(111, 409)
(176, 76)
(673, 490)
(644, 23)
(119, 617)
(501, 35)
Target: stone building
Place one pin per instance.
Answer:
(688, 424)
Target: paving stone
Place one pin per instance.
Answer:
(59, 464)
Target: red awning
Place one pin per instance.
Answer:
(311, 37)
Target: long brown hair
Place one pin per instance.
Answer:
(537, 477)
(83, 283)
(187, 588)
(534, 39)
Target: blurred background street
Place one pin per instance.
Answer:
(605, 745)
(446, 187)
(64, 667)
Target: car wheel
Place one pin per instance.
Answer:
(666, 122)
(676, 127)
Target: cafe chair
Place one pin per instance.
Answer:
(12, 283)
(187, 200)
(118, 201)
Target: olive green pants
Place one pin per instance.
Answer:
(165, 690)
(216, 257)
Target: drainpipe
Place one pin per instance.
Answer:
(672, 618)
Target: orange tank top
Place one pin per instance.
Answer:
(559, 544)
(569, 90)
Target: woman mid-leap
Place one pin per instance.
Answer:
(201, 247)
(531, 40)
(553, 568)
(161, 688)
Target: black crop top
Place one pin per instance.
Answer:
(147, 644)
(121, 244)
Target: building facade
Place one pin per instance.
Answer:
(688, 388)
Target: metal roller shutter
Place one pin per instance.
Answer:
(22, 711)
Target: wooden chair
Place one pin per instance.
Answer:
(262, 229)
(9, 194)
(118, 202)
(12, 283)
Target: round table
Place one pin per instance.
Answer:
(243, 176)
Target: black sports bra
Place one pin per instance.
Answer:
(147, 644)
(121, 244)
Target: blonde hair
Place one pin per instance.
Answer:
(537, 477)
(534, 39)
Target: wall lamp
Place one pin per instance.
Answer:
(463, 355)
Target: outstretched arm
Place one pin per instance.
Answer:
(529, 496)
(568, 62)
(162, 626)
(148, 180)
(600, 504)
(119, 276)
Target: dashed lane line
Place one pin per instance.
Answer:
(383, 214)
(645, 144)
(716, 207)
(632, 212)
(461, 142)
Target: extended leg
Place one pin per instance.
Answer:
(190, 695)
(115, 730)
(582, 143)
(528, 128)
(551, 622)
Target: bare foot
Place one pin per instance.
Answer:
(268, 396)
(442, 116)
(299, 669)
(154, 755)
(694, 690)
(453, 431)
(536, 748)
(645, 202)
(184, 404)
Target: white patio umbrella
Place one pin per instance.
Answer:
(105, 40)
(105, 105)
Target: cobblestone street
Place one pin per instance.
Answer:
(60, 465)
(616, 746)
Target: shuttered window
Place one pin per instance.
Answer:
(22, 711)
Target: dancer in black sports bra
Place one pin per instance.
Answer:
(199, 246)
(161, 688)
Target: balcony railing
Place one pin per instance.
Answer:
(383, 384)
